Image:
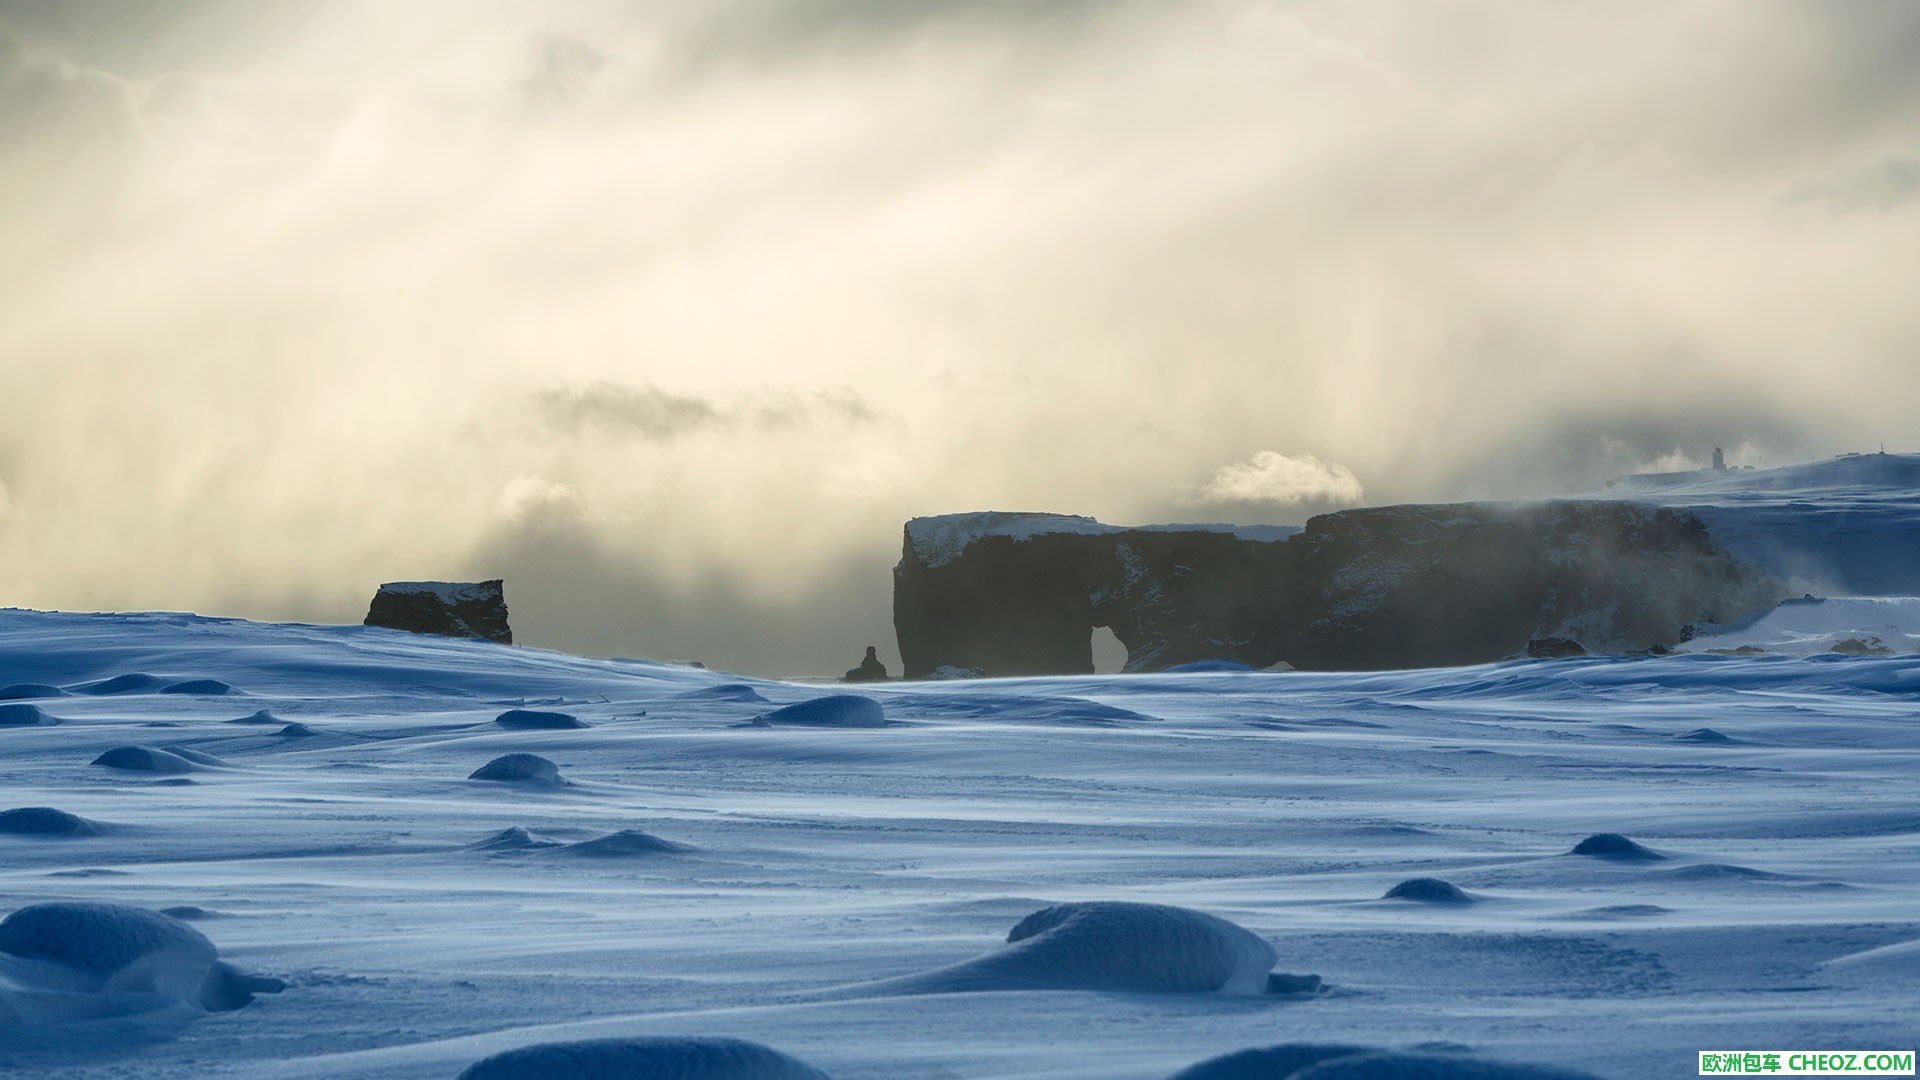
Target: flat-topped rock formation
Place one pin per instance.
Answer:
(469, 609)
(1374, 588)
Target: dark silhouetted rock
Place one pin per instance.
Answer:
(1854, 646)
(870, 669)
(468, 609)
(1366, 589)
(1554, 648)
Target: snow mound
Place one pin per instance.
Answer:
(1900, 959)
(199, 688)
(100, 938)
(664, 1058)
(122, 950)
(29, 690)
(724, 692)
(261, 717)
(514, 838)
(520, 769)
(1428, 890)
(23, 715)
(536, 720)
(1267, 1063)
(625, 844)
(149, 759)
(833, 710)
(1621, 911)
(44, 821)
(1428, 1067)
(1107, 945)
(131, 683)
(1606, 845)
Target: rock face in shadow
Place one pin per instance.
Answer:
(1367, 589)
(468, 609)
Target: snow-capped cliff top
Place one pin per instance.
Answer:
(942, 537)
(449, 592)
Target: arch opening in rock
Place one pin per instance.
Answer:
(1109, 653)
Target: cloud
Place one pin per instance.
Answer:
(646, 412)
(312, 296)
(1273, 479)
(655, 415)
(1885, 185)
(560, 69)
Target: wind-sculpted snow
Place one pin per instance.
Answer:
(625, 844)
(530, 769)
(20, 714)
(1267, 1062)
(131, 683)
(1312, 1061)
(538, 720)
(831, 711)
(1614, 846)
(23, 691)
(199, 688)
(1426, 890)
(78, 961)
(44, 821)
(840, 890)
(666, 1058)
(1110, 945)
(1429, 1067)
(146, 759)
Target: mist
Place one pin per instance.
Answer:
(672, 315)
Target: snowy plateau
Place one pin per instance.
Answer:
(290, 851)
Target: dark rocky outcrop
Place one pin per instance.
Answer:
(1366, 589)
(1554, 648)
(468, 609)
(870, 669)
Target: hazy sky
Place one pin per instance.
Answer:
(672, 313)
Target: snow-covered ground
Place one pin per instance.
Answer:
(1846, 526)
(843, 892)
(1861, 625)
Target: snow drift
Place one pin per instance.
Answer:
(643, 1059)
(63, 962)
(1109, 945)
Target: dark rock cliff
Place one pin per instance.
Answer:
(1376, 588)
(470, 609)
